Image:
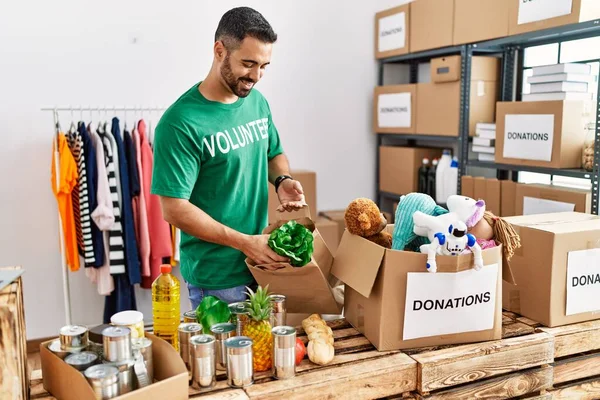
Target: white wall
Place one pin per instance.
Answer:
(146, 53)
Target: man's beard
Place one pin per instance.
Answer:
(232, 82)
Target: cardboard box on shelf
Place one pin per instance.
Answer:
(399, 167)
(329, 230)
(431, 24)
(467, 186)
(66, 383)
(479, 20)
(544, 199)
(392, 32)
(438, 102)
(557, 267)
(541, 133)
(308, 180)
(508, 198)
(397, 304)
(308, 289)
(394, 109)
(528, 16)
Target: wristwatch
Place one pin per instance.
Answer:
(280, 179)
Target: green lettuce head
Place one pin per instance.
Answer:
(211, 311)
(293, 240)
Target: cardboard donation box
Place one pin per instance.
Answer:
(399, 167)
(392, 299)
(431, 24)
(534, 15)
(308, 180)
(541, 133)
(336, 216)
(392, 28)
(509, 193)
(544, 199)
(170, 374)
(479, 20)
(308, 289)
(438, 102)
(329, 230)
(394, 109)
(557, 268)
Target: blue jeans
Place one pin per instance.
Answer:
(230, 295)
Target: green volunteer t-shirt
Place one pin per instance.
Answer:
(216, 156)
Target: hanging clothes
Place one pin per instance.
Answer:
(92, 183)
(81, 203)
(158, 228)
(134, 177)
(67, 182)
(121, 299)
(140, 213)
(131, 252)
(116, 241)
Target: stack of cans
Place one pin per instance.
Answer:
(186, 331)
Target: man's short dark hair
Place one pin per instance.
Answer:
(240, 22)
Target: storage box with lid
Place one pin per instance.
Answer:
(535, 15)
(392, 32)
(480, 20)
(438, 102)
(394, 109)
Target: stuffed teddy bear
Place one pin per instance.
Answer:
(404, 237)
(363, 218)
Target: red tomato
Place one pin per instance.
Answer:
(300, 350)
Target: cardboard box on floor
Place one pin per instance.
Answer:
(308, 180)
(541, 133)
(392, 32)
(394, 109)
(380, 283)
(399, 167)
(557, 267)
(308, 289)
(528, 16)
(431, 24)
(438, 102)
(544, 199)
(66, 383)
(479, 20)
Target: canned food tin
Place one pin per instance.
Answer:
(240, 371)
(222, 332)
(141, 371)
(126, 378)
(82, 361)
(55, 347)
(104, 381)
(190, 316)
(73, 337)
(239, 316)
(133, 320)
(186, 331)
(117, 343)
(278, 310)
(143, 346)
(284, 352)
(203, 361)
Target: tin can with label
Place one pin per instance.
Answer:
(239, 316)
(240, 371)
(222, 332)
(117, 343)
(82, 361)
(73, 337)
(55, 347)
(278, 310)
(104, 381)
(190, 316)
(133, 320)
(203, 359)
(143, 347)
(186, 331)
(284, 352)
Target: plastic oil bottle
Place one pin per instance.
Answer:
(166, 306)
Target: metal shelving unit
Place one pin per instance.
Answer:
(511, 50)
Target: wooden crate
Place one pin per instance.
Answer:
(14, 374)
(583, 390)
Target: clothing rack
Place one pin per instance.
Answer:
(57, 130)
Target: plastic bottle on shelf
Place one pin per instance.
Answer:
(431, 178)
(423, 172)
(440, 177)
(451, 179)
(166, 306)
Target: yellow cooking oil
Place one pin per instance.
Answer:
(166, 305)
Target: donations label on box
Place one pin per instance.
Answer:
(447, 303)
(392, 32)
(583, 281)
(394, 110)
(529, 136)
(538, 10)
